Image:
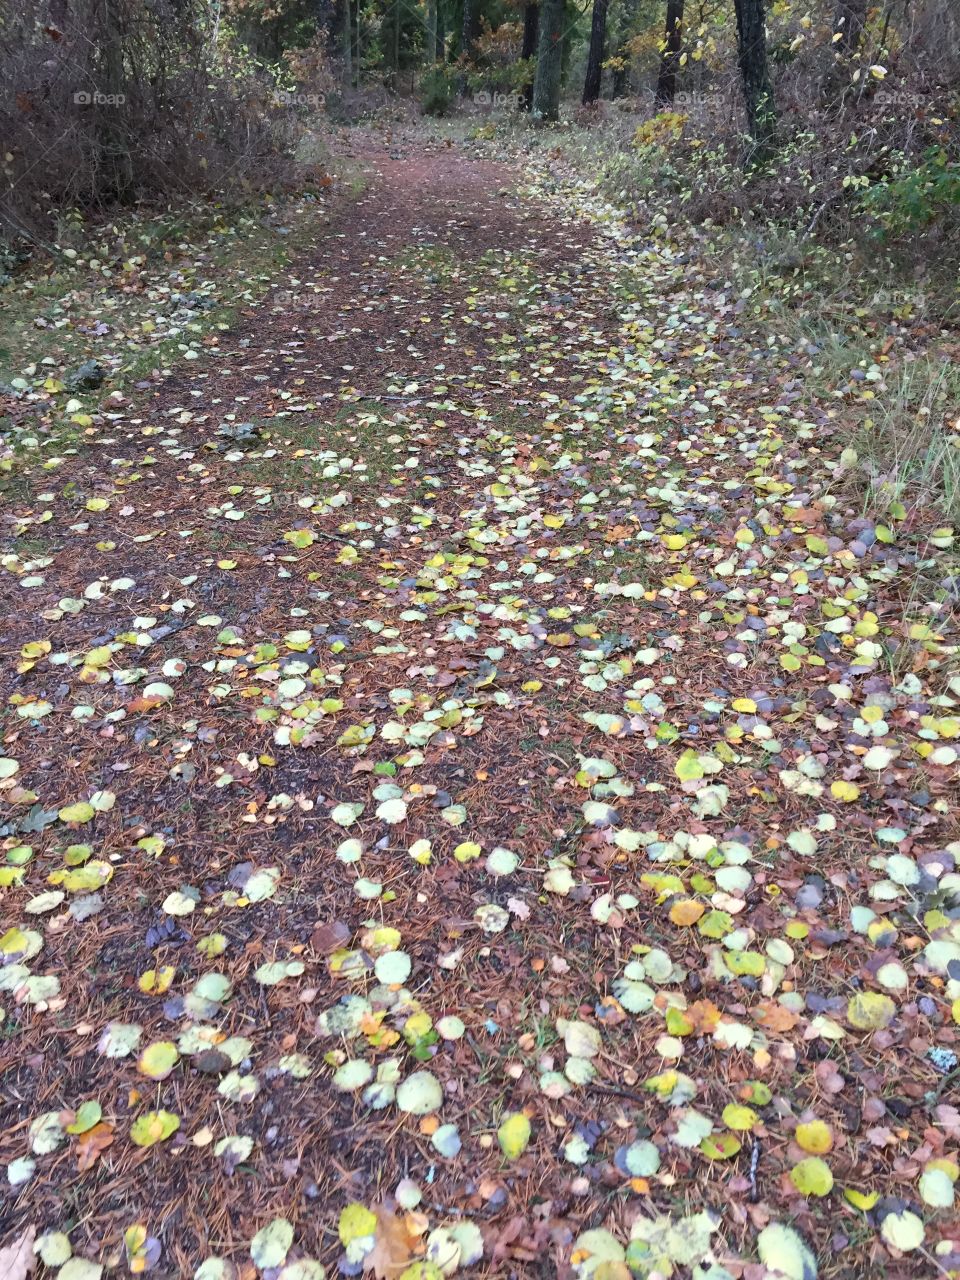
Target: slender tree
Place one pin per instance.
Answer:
(471, 27)
(346, 40)
(848, 23)
(546, 83)
(598, 37)
(849, 19)
(670, 58)
(755, 76)
(114, 140)
(431, 29)
(531, 23)
(440, 35)
(626, 17)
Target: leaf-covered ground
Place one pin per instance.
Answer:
(479, 789)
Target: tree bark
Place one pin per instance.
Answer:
(431, 29)
(468, 38)
(670, 59)
(598, 37)
(440, 41)
(755, 76)
(546, 84)
(346, 41)
(531, 24)
(621, 75)
(848, 22)
(113, 142)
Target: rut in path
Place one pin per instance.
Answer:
(509, 782)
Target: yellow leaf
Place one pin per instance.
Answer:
(686, 912)
(153, 1127)
(736, 1116)
(156, 981)
(845, 791)
(514, 1134)
(688, 768)
(812, 1177)
(870, 1011)
(864, 1200)
(815, 1136)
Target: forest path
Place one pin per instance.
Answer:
(519, 728)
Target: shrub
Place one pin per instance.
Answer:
(916, 197)
(436, 91)
(126, 102)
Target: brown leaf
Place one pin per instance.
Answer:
(91, 1146)
(775, 1017)
(829, 1078)
(328, 937)
(17, 1259)
(392, 1247)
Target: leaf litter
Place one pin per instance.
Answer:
(477, 790)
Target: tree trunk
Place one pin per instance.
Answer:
(468, 35)
(114, 145)
(849, 20)
(848, 23)
(621, 74)
(468, 38)
(531, 23)
(353, 8)
(346, 41)
(440, 43)
(670, 59)
(598, 37)
(755, 76)
(546, 84)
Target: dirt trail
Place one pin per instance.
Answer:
(520, 725)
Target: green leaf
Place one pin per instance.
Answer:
(270, 1246)
(903, 1231)
(154, 1126)
(812, 1177)
(420, 1094)
(785, 1254)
